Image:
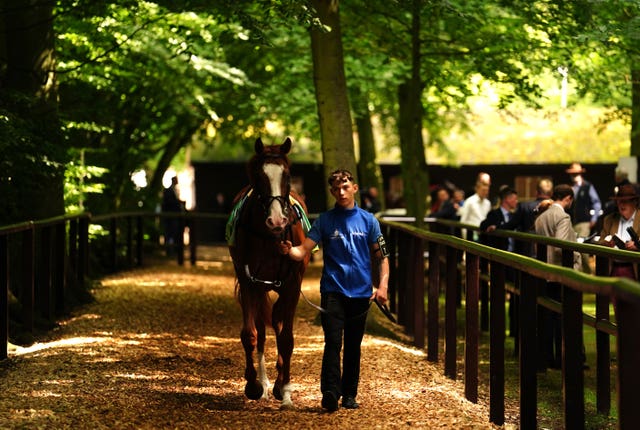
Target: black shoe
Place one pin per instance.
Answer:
(349, 402)
(330, 401)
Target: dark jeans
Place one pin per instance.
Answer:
(343, 316)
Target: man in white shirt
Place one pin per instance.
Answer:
(476, 207)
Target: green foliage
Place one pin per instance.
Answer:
(158, 75)
(29, 150)
(79, 181)
(141, 81)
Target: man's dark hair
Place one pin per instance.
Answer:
(341, 176)
(506, 191)
(561, 191)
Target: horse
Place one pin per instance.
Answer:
(268, 211)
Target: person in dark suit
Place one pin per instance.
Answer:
(504, 217)
(443, 206)
(528, 213)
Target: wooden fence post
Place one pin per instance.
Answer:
(44, 296)
(60, 267)
(496, 341)
(417, 287)
(4, 296)
(433, 309)
(472, 335)
(573, 352)
(26, 291)
(528, 350)
(603, 346)
(450, 314)
(628, 346)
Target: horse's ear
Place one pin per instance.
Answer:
(259, 146)
(286, 146)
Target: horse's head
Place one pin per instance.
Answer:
(271, 181)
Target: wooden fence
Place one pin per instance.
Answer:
(43, 263)
(451, 262)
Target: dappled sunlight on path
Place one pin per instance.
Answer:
(159, 348)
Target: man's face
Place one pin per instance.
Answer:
(482, 190)
(511, 201)
(626, 208)
(344, 192)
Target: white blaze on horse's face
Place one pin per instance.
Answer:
(276, 219)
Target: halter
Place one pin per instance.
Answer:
(266, 202)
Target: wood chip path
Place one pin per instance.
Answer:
(159, 349)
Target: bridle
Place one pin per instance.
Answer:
(267, 201)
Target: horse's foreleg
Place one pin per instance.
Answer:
(283, 327)
(253, 389)
(262, 368)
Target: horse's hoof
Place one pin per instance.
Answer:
(287, 406)
(253, 391)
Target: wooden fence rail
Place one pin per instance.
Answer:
(462, 261)
(45, 264)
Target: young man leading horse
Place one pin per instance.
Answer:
(355, 256)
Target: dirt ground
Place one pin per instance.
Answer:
(160, 349)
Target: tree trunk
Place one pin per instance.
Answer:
(413, 159)
(331, 91)
(30, 65)
(368, 168)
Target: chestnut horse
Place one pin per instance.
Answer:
(266, 216)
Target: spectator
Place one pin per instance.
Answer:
(528, 212)
(443, 206)
(173, 226)
(370, 201)
(586, 207)
(504, 217)
(556, 222)
(616, 224)
(458, 200)
(476, 207)
(220, 206)
(621, 177)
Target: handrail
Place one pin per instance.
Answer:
(447, 250)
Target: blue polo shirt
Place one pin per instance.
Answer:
(346, 236)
